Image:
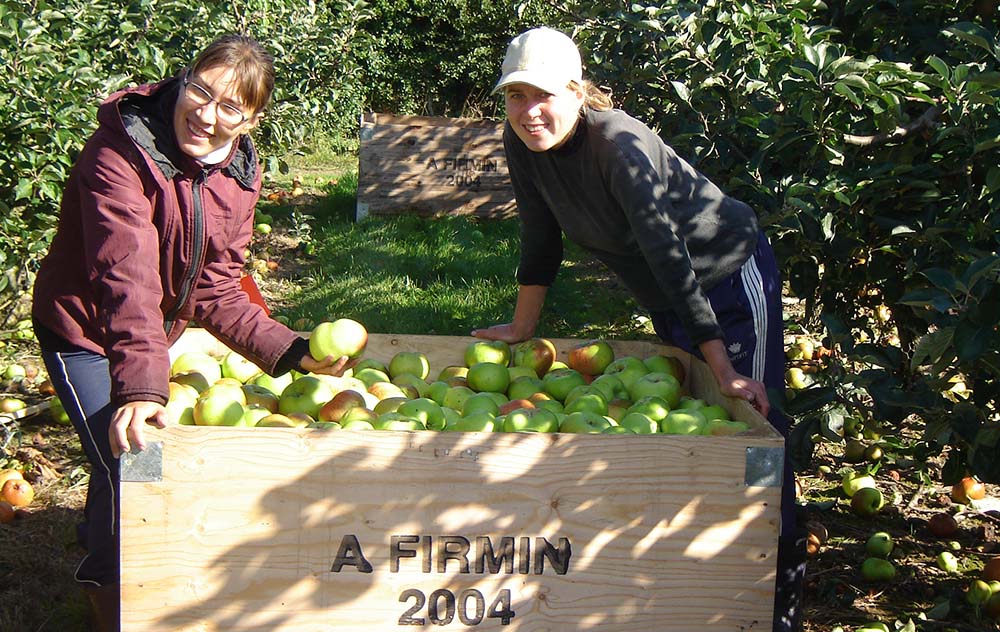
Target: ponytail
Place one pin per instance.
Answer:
(595, 98)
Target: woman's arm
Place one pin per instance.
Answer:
(530, 299)
(730, 382)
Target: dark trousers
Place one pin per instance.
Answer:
(748, 308)
(83, 384)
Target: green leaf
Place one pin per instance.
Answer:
(933, 298)
(843, 90)
(972, 341)
(682, 91)
(974, 34)
(931, 347)
(939, 67)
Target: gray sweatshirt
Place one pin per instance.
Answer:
(616, 189)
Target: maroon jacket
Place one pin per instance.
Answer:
(148, 240)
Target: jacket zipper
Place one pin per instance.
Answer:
(199, 247)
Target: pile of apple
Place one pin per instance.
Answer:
(15, 493)
(498, 388)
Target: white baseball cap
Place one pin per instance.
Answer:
(542, 57)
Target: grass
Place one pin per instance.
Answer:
(407, 274)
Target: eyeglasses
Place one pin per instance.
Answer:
(199, 94)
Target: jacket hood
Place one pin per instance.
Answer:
(145, 114)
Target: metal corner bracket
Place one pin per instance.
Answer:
(143, 467)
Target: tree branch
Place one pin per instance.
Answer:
(925, 120)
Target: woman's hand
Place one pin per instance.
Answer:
(505, 332)
(754, 392)
(129, 422)
(328, 365)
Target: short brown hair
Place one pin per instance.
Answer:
(252, 64)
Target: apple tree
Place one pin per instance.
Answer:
(867, 136)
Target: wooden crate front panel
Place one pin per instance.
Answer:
(246, 525)
(432, 166)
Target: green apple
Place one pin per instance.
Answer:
(584, 422)
(685, 422)
(875, 626)
(389, 405)
(559, 382)
(194, 379)
(530, 420)
(553, 405)
(306, 394)
(656, 408)
(879, 544)
(867, 501)
(978, 592)
(481, 402)
(409, 381)
(337, 407)
(610, 386)
(452, 371)
(371, 375)
(412, 362)
(239, 368)
(659, 384)
(277, 420)
(557, 364)
(371, 363)
(478, 421)
(525, 387)
(325, 425)
(456, 396)
(618, 430)
(260, 397)
(357, 424)
(219, 405)
(947, 562)
(488, 376)
(628, 369)
(853, 481)
(516, 372)
(666, 364)
(495, 351)
(639, 423)
(342, 337)
(199, 362)
(590, 358)
(424, 410)
(714, 411)
(252, 415)
(691, 402)
(724, 427)
(591, 401)
(358, 413)
(436, 390)
(875, 569)
(274, 384)
(180, 403)
(397, 421)
(617, 408)
(385, 390)
(536, 354)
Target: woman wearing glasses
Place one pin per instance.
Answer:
(155, 217)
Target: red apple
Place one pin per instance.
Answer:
(538, 354)
(591, 358)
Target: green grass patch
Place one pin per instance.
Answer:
(415, 275)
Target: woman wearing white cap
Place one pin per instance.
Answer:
(691, 255)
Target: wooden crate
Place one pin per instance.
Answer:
(429, 165)
(236, 529)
